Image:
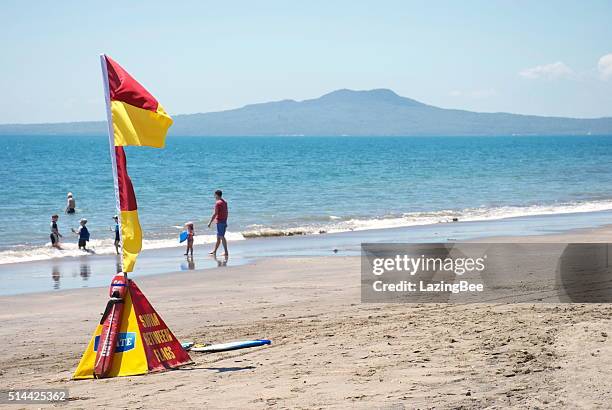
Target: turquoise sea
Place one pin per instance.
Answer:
(293, 185)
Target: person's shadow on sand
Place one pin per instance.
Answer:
(56, 275)
(85, 271)
(189, 265)
(221, 262)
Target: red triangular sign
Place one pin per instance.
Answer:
(161, 347)
(143, 343)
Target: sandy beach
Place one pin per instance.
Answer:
(239, 205)
(328, 350)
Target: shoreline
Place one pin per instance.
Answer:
(30, 252)
(95, 270)
(328, 348)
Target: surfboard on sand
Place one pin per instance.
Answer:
(224, 347)
(183, 236)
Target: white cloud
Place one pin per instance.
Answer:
(476, 94)
(547, 71)
(605, 67)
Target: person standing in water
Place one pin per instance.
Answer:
(83, 234)
(55, 235)
(219, 216)
(190, 234)
(70, 204)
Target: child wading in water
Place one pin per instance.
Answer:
(55, 235)
(190, 234)
(83, 233)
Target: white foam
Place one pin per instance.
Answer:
(431, 218)
(332, 224)
(99, 247)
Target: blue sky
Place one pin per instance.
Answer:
(533, 57)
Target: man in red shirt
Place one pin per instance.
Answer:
(220, 217)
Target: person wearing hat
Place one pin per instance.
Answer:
(70, 204)
(83, 234)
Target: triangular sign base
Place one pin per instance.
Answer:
(144, 344)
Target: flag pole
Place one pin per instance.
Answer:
(111, 144)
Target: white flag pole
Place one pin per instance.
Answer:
(111, 144)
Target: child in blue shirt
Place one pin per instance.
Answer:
(83, 234)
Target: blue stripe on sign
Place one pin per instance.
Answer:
(125, 342)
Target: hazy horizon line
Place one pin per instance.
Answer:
(103, 114)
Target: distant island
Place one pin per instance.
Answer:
(379, 112)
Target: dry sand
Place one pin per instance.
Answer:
(329, 350)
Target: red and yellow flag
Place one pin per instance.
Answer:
(137, 119)
(131, 337)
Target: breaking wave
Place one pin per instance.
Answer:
(336, 224)
(23, 253)
(328, 224)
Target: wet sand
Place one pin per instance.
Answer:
(94, 270)
(329, 350)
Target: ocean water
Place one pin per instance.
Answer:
(293, 185)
